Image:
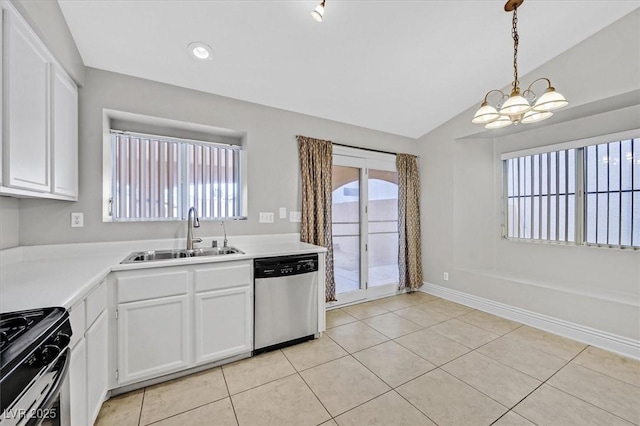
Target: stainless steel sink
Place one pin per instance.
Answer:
(155, 255)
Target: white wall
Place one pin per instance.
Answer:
(461, 196)
(272, 154)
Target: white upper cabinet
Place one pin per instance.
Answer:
(26, 92)
(39, 116)
(65, 134)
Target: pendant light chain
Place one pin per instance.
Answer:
(514, 33)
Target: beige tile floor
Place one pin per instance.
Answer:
(405, 360)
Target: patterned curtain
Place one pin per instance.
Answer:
(410, 248)
(315, 168)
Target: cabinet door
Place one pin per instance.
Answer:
(65, 134)
(97, 365)
(223, 323)
(78, 384)
(153, 338)
(26, 108)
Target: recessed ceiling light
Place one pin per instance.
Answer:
(201, 51)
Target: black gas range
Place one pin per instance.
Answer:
(34, 360)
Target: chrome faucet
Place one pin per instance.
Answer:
(224, 244)
(192, 222)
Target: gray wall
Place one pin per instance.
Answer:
(272, 154)
(9, 222)
(461, 196)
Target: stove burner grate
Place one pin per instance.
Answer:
(13, 325)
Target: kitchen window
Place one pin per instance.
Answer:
(160, 178)
(579, 193)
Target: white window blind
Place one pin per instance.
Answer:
(587, 195)
(541, 196)
(612, 215)
(158, 178)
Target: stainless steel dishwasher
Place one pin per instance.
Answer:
(286, 301)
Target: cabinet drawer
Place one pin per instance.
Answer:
(96, 303)
(78, 326)
(150, 286)
(222, 276)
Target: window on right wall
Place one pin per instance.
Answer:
(575, 193)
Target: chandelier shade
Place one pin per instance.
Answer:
(485, 114)
(515, 105)
(518, 108)
(318, 12)
(502, 121)
(533, 116)
(550, 101)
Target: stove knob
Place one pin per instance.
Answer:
(62, 340)
(49, 353)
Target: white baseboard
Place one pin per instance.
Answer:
(591, 336)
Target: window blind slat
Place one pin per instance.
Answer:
(590, 195)
(155, 179)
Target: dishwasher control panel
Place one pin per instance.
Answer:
(283, 266)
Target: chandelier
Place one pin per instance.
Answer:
(518, 108)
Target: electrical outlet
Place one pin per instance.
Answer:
(283, 212)
(77, 220)
(446, 276)
(295, 216)
(266, 217)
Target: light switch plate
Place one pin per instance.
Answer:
(266, 217)
(283, 212)
(77, 220)
(295, 216)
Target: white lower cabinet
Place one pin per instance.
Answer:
(153, 338)
(223, 323)
(88, 369)
(174, 318)
(96, 340)
(78, 384)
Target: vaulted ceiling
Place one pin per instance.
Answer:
(402, 67)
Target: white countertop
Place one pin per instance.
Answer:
(61, 275)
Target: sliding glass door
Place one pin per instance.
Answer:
(365, 225)
(383, 227)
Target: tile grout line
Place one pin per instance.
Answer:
(309, 387)
(507, 366)
(351, 354)
(436, 367)
(604, 374)
(393, 389)
(439, 367)
(544, 382)
(590, 403)
(144, 392)
(192, 408)
(233, 407)
(577, 397)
